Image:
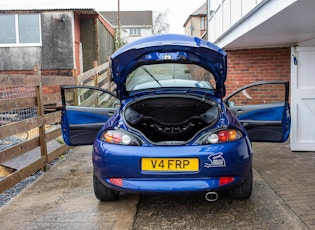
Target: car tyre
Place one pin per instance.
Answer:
(244, 190)
(102, 192)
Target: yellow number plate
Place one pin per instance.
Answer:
(170, 164)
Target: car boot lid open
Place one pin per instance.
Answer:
(169, 48)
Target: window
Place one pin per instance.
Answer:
(170, 75)
(203, 23)
(135, 31)
(23, 29)
(260, 94)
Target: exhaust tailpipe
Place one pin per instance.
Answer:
(211, 196)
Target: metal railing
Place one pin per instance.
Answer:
(228, 14)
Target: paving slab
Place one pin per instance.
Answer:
(291, 175)
(264, 210)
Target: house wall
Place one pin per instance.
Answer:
(77, 43)
(187, 27)
(19, 58)
(193, 23)
(57, 49)
(89, 42)
(55, 53)
(251, 65)
(106, 44)
(145, 32)
(97, 42)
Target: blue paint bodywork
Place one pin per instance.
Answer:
(115, 161)
(180, 47)
(124, 162)
(268, 114)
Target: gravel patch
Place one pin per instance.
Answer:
(9, 194)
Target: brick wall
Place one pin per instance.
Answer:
(252, 65)
(50, 72)
(46, 89)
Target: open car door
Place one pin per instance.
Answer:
(263, 109)
(85, 109)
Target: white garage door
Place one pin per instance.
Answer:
(303, 99)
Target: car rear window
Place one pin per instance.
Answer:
(167, 75)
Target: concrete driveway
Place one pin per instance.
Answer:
(62, 198)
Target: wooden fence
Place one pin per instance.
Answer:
(36, 152)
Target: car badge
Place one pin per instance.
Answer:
(215, 160)
(167, 57)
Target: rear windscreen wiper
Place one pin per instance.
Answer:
(147, 71)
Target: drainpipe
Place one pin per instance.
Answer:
(118, 21)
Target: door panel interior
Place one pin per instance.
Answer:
(84, 123)
(262, 122)
(85, 110)
(263, 109)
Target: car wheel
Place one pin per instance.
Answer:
(244, 190)
(102, 192)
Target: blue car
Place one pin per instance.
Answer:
(169, 128)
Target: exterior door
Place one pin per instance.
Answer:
(303, 99)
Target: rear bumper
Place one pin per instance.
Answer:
(119, 167)
(156, 186)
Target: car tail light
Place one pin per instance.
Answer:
(220, 136)
(116, 181)
(225, 180)
(233, 134)
(119, 137)
(223, 136)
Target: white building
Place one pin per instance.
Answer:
(260, 24)
(196, 23)
(133, 24)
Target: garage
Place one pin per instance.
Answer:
(260, 28)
